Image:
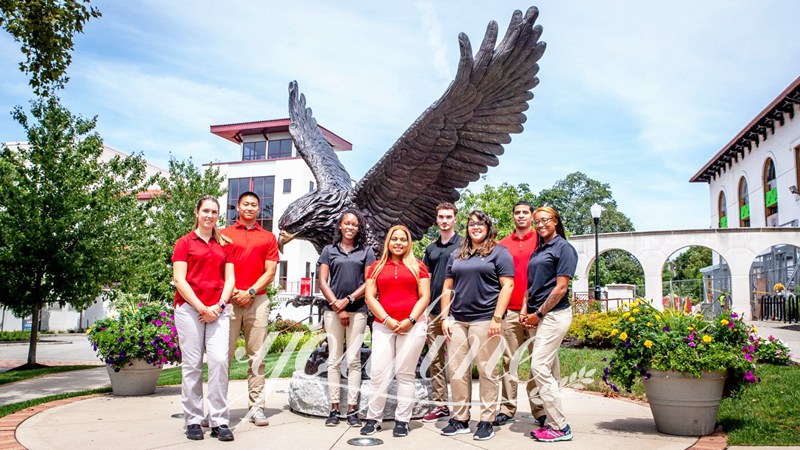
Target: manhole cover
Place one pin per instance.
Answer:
(365, 441)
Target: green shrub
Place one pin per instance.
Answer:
(287, 326)
(7, 336)
(594, 329)
(773, 351)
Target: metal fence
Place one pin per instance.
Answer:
(780, 307)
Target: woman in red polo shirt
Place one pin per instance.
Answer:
(204, 280)
(398, 291)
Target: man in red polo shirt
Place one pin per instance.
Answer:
(255, 257)
(521, 244)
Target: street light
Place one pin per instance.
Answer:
(596, 210)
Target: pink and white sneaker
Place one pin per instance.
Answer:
(548, 434)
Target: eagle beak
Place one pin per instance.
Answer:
(283, 238)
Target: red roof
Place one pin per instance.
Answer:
(235, 131)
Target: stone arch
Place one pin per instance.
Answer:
(714, 280)
(638, 289)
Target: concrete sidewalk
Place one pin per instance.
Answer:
(59, 383)
(148, 422)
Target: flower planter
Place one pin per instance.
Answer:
(682, 404)
(139, 379)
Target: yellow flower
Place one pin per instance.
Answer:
(624, 304)
(649, 324)
(614, 332)
(691, 328)
(88, 330)
(648, 343)
(658, 317)
(635, 310)
(625, 316)
(623, 336)
(724, 322)
(707, 339)
(632, 319)
(755, 330)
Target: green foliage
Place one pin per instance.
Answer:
(282, 340)
(497, 202)
(287, 326)
(674, 341)
(8, 336)
(169, 216)
(46, 29)
(618, 267)
(594, 329)
(142, 331)
(773, 351)
(686, 266)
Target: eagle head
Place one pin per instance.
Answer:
(313, 217)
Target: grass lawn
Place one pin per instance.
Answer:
(765, 414)
(19, 375)
(238, 369)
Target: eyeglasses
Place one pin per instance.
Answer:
(543, 221)
(475, 224)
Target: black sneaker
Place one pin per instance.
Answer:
(502, 419)
(333, 418)
(455, 427)
(352, 418)
(194, 432)
(222, 432)
(370, 427)
(484, 431)
(400, 429)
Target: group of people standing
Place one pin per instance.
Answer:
(477, 301)
(472, 299)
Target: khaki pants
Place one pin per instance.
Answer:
(436, 359)
(398, 353)
(194, 337)
(353, 336)
(470, 343)
(254, 321)
(546, 342)
(516, 337)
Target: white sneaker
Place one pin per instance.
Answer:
(258, 418)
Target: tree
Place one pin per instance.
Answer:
(497, 202)
(618, 267)
(46, 29)
(169, 215)
(65, 216)
(685, 268)
(573, 197)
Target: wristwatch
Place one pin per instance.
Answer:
(497, 319)
(351, 298)
(222, 304)
(412, 320)
(539, 313)
(252, 292)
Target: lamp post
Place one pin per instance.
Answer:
(596, 210)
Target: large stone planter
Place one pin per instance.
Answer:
(139, 379)
(682, 404)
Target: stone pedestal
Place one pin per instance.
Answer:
(308, 394)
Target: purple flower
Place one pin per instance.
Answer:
(692, 344)
(627, 342)
(749, 377)
(163, 314)
(734, 315)
(647, 375)
(748, 357)
(730, 325)
(667, 328)
(158, 322)
(604, 359)
(140, 304)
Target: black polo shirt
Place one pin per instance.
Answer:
(436, 256)
(347, 272)
(476, 283)
(556, 258)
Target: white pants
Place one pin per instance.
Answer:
(353, 335)
(401, 353)
(544, 356)
(194, 337)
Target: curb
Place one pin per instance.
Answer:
(718, 440)
(9, 423)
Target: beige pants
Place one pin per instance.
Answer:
(398, 353)
(544, 356)
(353, 336)
(436, 360)
(470, 343)
(254, 321)
(194, 337)
(516, 337)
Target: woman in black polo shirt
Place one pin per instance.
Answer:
(478, 284)
(342, 268)
(549, 315)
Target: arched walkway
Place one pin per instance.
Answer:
(739, 246)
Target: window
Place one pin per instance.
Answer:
(770, 194)
(744, 204)
(281, 148)
(797, 166)
(310, 186)
(723, 211)
(252, 151)
(287, 186)
(264, 187)
(283, 270)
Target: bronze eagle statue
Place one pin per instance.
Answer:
(450, 145)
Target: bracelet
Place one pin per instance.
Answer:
(386, 318)
(351, 298)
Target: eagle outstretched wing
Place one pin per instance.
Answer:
(458, 137)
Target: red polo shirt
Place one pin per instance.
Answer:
(205, 270)
(397, 288)
(251, 248)
(521, 250)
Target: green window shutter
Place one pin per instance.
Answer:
(772, 197)
(723, 222)
(744, 211)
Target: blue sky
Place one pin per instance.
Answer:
(635, 94)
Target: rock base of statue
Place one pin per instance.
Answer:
(308, 394)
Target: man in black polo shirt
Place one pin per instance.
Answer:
(436, 256)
